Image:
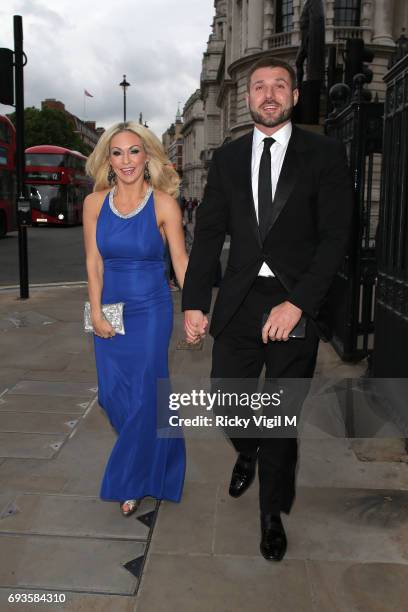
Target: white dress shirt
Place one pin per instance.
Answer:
(278, 151)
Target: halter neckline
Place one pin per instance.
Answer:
(133, 212)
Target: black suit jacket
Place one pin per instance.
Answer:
(308, 237)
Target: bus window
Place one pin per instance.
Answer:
(49, 198)
(3, 156)
(44, 159)
(5, 132)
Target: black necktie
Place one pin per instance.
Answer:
(265, 189)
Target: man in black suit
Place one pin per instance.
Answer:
(284, 196)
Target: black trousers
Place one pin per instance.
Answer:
(239, 353)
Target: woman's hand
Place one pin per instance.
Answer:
(195, 324)
(102, 328)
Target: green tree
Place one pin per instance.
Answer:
(52, 127)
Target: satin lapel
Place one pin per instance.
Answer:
(245, 164)
(287, 179)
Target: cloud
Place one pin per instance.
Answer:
(77, 45)
(37, 11)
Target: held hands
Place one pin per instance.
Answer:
(282, 319)
(102, 327)
(195, 324)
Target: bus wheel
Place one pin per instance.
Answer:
(3, 224)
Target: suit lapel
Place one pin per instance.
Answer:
(288, 177)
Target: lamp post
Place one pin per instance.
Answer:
(124, 84)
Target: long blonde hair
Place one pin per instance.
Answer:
(163, 175)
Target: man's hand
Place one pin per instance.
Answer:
(282, 319)
(195, 324)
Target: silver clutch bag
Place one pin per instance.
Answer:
(113, 313)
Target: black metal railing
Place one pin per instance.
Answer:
(351, 300)
(390, 355)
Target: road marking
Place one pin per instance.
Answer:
(93, 402)
(3, 392)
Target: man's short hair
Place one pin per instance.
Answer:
(272, 62)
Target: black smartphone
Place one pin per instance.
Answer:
(299, 331)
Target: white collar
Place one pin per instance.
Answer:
(281, 136)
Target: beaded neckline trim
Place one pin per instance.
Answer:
(133, 212)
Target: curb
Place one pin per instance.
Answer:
(67, 284)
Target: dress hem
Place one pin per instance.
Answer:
(114, 499)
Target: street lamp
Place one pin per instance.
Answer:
(124, 84)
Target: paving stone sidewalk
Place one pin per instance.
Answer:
(348, 532)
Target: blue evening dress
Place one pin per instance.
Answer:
(128, 366)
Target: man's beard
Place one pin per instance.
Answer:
(270, 121)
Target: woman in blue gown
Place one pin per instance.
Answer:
(127, 222)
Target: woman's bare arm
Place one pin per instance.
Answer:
(94, 264)
(169, 219)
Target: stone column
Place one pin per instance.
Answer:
(228, 38)
(383, 22)
(269, 22)
(367, 12)
(255, 26)
(235, 31)
(244, 25)
(297, 10)
(329, 15)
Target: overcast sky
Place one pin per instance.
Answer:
(74, 45)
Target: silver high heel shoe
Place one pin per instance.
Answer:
(132, 505)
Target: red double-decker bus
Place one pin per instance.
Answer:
(56, 184)
(7, 176)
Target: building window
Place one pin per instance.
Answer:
(347, 12)
(284, 16)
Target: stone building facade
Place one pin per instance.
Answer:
(245, 30)
(194, 172)
(173, 143)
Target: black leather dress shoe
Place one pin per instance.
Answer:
(242, 475)
(273, 542)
